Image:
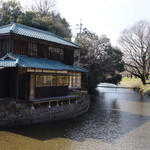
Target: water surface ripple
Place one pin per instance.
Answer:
(113, 113)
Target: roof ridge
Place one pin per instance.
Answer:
(33, 28)
(13, 25)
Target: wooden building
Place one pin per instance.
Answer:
(36, 65)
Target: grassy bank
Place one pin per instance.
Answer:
(135, 83)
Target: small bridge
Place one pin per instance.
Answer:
(115, 87)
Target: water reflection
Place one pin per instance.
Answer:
(108, 118)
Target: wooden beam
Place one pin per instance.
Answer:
(32, 86)
(55, 99)
(26, 88)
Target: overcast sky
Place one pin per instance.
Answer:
(107, 17)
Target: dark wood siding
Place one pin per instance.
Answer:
(43, 92)
(68, 57)
(5, 45)
(17, 46)
(20, 47)
(24, 47)
(4, 83)
(13, 82)
(43, 50)
(22, 86)
(8, 83)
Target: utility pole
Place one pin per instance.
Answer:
(79, 26)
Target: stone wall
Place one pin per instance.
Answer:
(12, 113)
(147, 93)
(141, 91)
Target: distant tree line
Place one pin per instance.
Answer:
(41, 15)
(103, 61)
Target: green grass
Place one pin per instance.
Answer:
(135, 82)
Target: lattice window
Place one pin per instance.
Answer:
(51, 80)
(55, 53)
(32, 49)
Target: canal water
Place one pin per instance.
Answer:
(118, 118)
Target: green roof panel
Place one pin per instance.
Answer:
(14, 60)
(35, 33)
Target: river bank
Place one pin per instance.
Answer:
(12, 113)
(137, 85)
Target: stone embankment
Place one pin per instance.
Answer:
(12, 113)
(147, 93)
(137, 85)
(140, 90)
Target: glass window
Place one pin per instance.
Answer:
(32, 49)
(54, 81)
(39, 81)
(51, 80)
(62, 80)
(75, 80)
(46, 80)
(55, 53)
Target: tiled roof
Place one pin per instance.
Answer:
(14, 60)
(79, 69)
(7, 63)
(24, 30)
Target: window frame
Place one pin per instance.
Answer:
(55, 53)
(32, 49)
(51, 80)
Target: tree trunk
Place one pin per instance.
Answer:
(147, 76)
(143, 80)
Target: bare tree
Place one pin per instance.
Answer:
(135, 42)
(44, 6)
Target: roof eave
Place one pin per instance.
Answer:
(7, 33)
